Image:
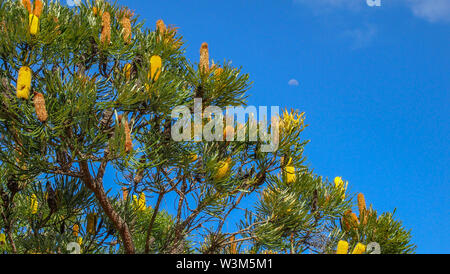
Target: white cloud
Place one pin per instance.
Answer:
(293, 82)
(431, 10)
(361, 37)
(327, 5)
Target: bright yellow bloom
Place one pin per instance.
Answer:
(217, 73)
(222, 171)
(34, 24)
(289, 169)
(291, 120)
(342, 247)
(127, 71)
(339, 184)
(141, 202)
(2, 239)
(359, 249)
(193, 157)
(24, 83)
(155, 67)
(34, 204)
(80, 240)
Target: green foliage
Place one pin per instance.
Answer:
(95, 106)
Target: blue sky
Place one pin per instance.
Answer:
(374, 83)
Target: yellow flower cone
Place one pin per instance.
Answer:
(217, 73)
(24, 83)
(342, 247)
(80, 240)
(34, 204)
(34, 24)
(127, 71)
(75, 230)
(290, 172)
(155, 67)
(359, 249)
(339, 184)
(2, 239)
(141, 202)
(222, 171)
(193, 157)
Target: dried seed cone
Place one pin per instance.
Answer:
(342, 247)
(125, 193)
(105, 36)
(27, 5)
(155, 67)
(24, 83)
(33, 24)
(126, 29)
(204, 58)
(38, 6)
(128, 142)
(39, 107)
(233, 246)
(91, 223)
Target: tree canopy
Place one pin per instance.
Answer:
(87, 154)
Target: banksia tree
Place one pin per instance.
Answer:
(97, 136)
